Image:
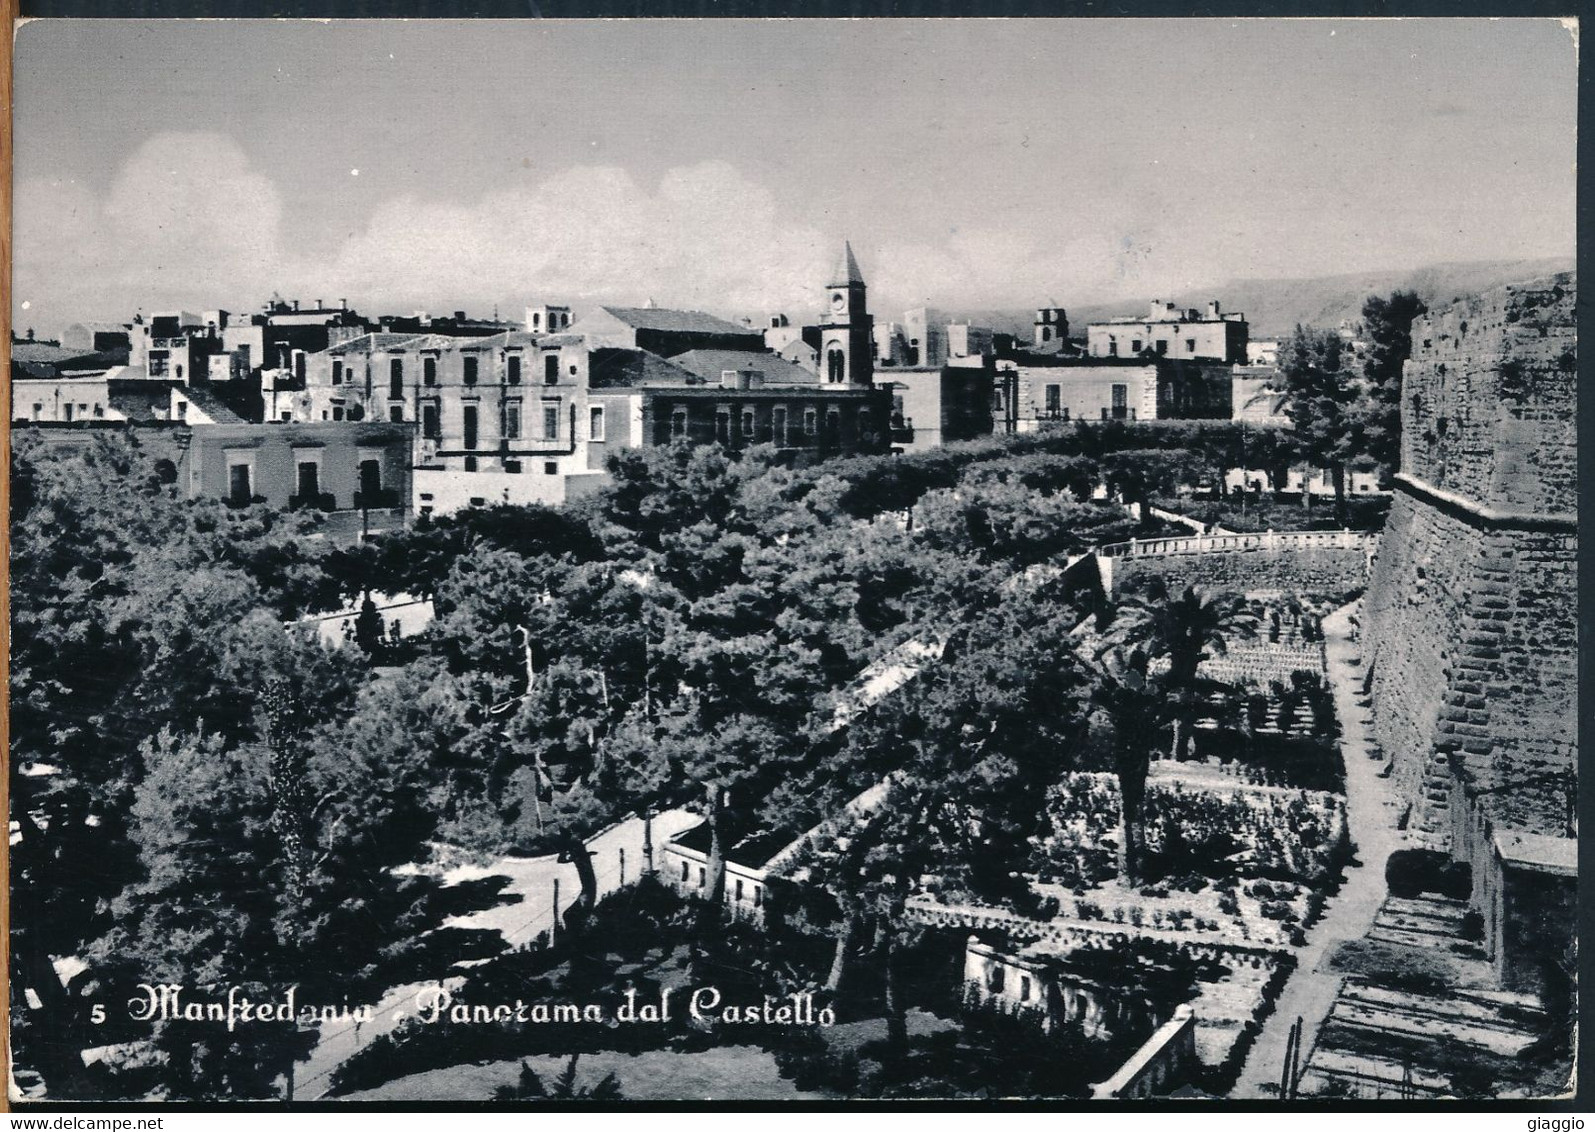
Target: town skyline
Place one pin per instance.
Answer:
(968, 168)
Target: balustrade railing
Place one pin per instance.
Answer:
(1264, 540)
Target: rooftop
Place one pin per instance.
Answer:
(1537, 851)
(685, 322)
(613, 367)
(710, 364)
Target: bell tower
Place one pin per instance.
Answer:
(846, 350)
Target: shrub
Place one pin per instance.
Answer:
(1410, 872)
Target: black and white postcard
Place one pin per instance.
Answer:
(793, 561)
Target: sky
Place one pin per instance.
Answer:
(718, 165)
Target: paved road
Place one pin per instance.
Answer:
(1372, 812)
(531, 878)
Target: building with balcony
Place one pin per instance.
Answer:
(356, 474)
(1171, 332)
(931, 406)
(1089, 389)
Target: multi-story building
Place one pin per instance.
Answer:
(1089, 389)
(522, 417)
(1170, 332)
(935, 406)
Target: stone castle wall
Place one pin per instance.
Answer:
(1471, 616)
(1489, 399)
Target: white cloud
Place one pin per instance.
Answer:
(188, 221)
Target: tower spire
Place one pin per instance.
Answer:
(846, 268)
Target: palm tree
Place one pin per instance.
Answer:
(1185, 631)
(530, 1086)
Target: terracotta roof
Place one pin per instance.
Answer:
(692, 322)
(372, 343)
(710, 364)
(211, 406)
(612, 367)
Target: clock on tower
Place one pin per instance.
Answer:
(846, 356)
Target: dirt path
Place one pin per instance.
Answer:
(618, 857)
(1372, 812)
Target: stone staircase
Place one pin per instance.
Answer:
(1383, 1042)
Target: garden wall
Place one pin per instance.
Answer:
(1314, 562)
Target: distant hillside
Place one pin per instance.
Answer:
(1274, 306)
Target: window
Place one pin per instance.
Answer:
(863, 424)
(1113, 347)
(1162, 346)
(1054, 400)
(722, 426)
(476, 500)
(337, 373)
(550, 422)
(703, 878)
(470, 466)
(470, 412)
(299, 368)
(431, 427)
(1135, 345)
(747, 423)
(287, 415)
(835, 365)
(1024, 988)
(1046, 334)
(811, 422)
(758, 896)
(429, 371)
(551, 467)
(1120, 394)
(396, 379)
(551, 369)
(370, 481)
(238, 488)
(470, 369)
(68, 409)
(1190, 345)
(684, 872)
(513, 467)
(678, 424)
(739, 888)
(833, 426)
(512, 369)
(395, 414)
(778, 424)
(512, 420)
(337, 412)
(595, 423)
(309, 480)
(994, 980)
(38, 410)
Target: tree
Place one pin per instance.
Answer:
(529, 1086)
(1322, 402)
(1387, 323)
(1184, 631)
